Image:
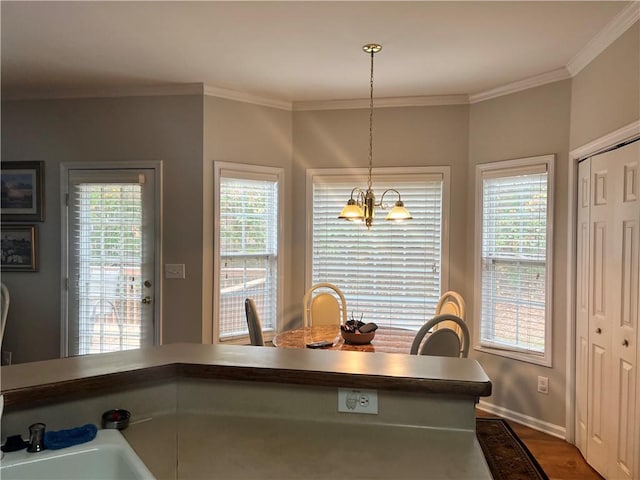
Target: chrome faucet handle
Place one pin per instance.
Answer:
(36, 437)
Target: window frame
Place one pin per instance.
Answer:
(359, 178)
(495, 169)
(249, 172)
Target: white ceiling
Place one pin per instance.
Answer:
(295, 51)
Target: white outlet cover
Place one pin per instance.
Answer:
(543, 384)
(358, 401)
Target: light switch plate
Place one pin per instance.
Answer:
(174, 270)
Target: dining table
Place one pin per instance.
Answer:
(386, 340)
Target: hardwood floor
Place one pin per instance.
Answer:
(559, 459)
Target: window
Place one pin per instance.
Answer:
(392, 274)
(247, 247)
(513, 266)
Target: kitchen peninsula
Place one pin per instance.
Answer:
(201, 411)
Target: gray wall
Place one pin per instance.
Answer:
(403, 137)
(110, 129)
(250, 134)
(187, 133)
(525, 124)
(555, 118)
(606, 93)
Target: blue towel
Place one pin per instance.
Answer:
(70, 437)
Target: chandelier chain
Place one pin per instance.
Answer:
(371, 122)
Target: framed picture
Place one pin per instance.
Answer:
(22, 192)
(19, 248)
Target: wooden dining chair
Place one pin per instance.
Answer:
(442, 341)
(324, 304)
(254, 323)
(453, 303)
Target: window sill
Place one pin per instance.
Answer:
(544, 361)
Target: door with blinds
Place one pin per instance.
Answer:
(109, 258)
(607, 303)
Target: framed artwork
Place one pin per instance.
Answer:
(19, 246)
(22, 192)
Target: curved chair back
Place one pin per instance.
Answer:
(324, 307)
(254, 323)
(442, 342)
(451, 302)
(4, 309)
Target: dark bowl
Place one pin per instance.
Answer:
(116, 418)
(357, 338)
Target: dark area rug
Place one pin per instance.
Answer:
(508, 458)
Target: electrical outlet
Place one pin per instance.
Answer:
(543, 384)
(358, 401)
(6, 358)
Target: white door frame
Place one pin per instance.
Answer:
(154, 165)
(605, 142)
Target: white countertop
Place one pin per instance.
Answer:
(286, 365)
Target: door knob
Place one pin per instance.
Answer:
(598, 331)
(146, 300)
(625, 343)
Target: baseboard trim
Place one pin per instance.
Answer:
(526, 420)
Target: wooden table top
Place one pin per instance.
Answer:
(388, 340)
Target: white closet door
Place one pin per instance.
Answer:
(626, 217)
(582, 304)
(613, 303)
(602, 305)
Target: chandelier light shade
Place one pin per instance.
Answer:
(362, 204)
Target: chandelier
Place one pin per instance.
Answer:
(362, 207)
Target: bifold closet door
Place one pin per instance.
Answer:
(611, 331)
(624, 335)
(583, 254)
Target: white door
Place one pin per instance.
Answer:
(624, 298)
(582, 303)
(607, 303)
(603, 265)
(110, 260)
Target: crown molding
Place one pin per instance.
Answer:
(609, 34)
(146, 91)
(623, 134)
(107, 92)
(531, 82)
(426, 101)
(228, 94)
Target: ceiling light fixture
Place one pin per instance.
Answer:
(362, 208)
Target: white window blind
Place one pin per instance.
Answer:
(248, 239)
(106, 266)
(392, 273)
(514, 271)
